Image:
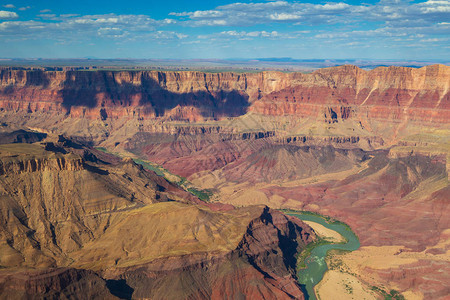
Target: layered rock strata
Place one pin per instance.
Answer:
(340, 93)
(76, 222)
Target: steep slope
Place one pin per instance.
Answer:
(290, 162)
(347, 92)
(396, 205)
(20, 136)
(256, 156)
(247, 252)
(35, 226)
(124, 231)
(393, 94)
(63, 283)
(370, 148)
(186, 154)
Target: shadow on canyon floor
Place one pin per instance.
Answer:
(120, 288)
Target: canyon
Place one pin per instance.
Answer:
(367, 147)
(76, 221)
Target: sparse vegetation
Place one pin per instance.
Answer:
(328, 219)
(158, 170)
(335, 264)
(348, 288)
(391, 295)
(103, 149)
(203, 195)
(302, 256)
(182, 182)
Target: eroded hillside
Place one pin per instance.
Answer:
(370, 148)
(120, 228)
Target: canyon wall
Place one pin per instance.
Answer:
(393, 93)
(346, 92)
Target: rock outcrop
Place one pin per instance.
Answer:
(28, 165)
(340, 93)
(75, 222)
(290, 162)
(61, 283)
(260, 266)
(347, 92)
(21, 136)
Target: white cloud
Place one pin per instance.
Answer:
(334, 6)
(76, 27)
(112, 32)
(308, 23)
(245, 14)
(8, 15)
(170, 21)
(303, 13)
(248, 35)
(433, 40)
(168, 35)
(284, 17)
(207, 14)
(69, 15)
(9, 6)
(433, 6)
(46, 16)
(24, 8)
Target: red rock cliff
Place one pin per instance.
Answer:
(394, 93)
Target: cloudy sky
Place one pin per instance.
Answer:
(387, 29)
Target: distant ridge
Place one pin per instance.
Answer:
(249, 64)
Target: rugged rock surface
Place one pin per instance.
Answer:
(367, 147)
(347, 92)
(388, 199)
(188, 154)
(255, 156)
(391, 201)
(50, 202)
(259, 267)
(62, 283)
(21, 136)
(289, 162)
(124, 231)
(394, 201)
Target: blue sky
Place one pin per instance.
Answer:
(387, 29)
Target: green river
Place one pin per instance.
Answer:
(315, 263)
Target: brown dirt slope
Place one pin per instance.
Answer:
(123, 227)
